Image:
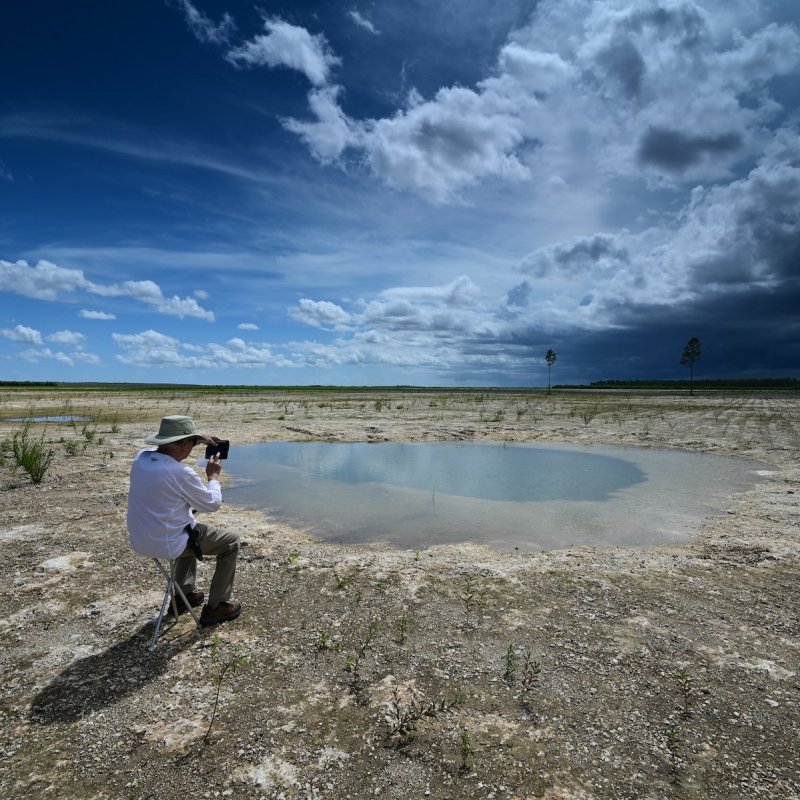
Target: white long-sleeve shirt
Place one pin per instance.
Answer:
(161, 497)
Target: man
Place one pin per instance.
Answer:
(163, 496)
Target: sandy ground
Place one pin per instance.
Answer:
(353, 672)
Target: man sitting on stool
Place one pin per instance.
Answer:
(162, 499)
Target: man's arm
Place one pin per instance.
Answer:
(197, 494)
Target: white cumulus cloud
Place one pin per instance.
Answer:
(47, 281)
(22, 334)
(154, 349)
(675, 88)
(287, 45)
(70, 338)
(320, 314)
(47, 354)
(44, 281)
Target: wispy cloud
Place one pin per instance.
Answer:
(362, 21)
(102, 134)
(203, 28)
(247, 326)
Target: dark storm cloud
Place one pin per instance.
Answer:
(519, 295)
(743, 335)
(683, 24)
(760, 240)
(623, 62)
(675, 151)
(728, 272)
(635, 33)
(577, 256)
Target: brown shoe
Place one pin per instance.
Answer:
(224, 612)
(195, 599)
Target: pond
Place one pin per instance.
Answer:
(528, 497)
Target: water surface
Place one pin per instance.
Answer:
(509, 496)
(55, 418)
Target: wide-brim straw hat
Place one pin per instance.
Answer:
(175, 428)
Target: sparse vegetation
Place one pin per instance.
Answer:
(632, 673)
(406, 709)
(467, 751)
(686, 690)
(363, 646)
(402, 629)
(33, 455)
(225, 660)
(511, 664)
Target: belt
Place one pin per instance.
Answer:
(194, 542)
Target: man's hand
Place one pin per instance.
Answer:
(213, 468)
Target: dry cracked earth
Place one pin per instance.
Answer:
(364, 671)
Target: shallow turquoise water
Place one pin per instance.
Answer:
(509, 496)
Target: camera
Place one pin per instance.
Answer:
(220, 448)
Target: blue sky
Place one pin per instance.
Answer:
(398, 192)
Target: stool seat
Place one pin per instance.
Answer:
(172, 589)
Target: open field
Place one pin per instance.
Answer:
(459, 672)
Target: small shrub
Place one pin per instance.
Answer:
(529, 680)
(467, 751)
(225, 661)
(402, 629)
(325, 642)
(510, 660)
(364, 646)
(88, 433)
(406, 709)
(31, 455)
(686, 689)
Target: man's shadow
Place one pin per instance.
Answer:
(99, 680)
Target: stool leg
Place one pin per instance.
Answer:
(168, 594)
(177, 590)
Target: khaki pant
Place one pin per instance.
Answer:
(213, 542)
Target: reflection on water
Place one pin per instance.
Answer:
(530, 497)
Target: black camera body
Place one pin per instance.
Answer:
(221, 448)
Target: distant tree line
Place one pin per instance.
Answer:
(28, 384)
(722, 383)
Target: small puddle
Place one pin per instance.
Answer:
(55, 418)
(530, 497)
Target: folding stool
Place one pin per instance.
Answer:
(169, 594)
